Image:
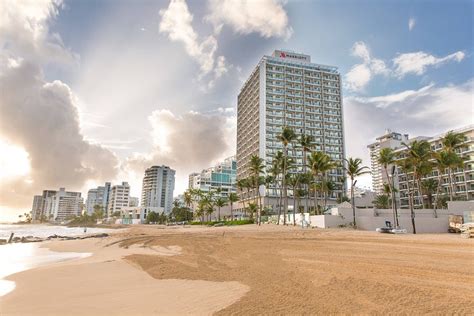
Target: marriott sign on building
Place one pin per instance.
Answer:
(287, 89)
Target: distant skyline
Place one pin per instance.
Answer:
(99, 91)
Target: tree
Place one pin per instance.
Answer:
(257, 167)
(419, 153)
(451, 141)
(327, 187)
(152, 217)
(443, 160)
(354, 169)
(320, 163)
(243, 184)
(220, 202)
(381, 201)
(306, 144)
(294, 182)
(233, 197)
(188, 199)
(406, 166)
(429, 186)
(98, 212)
(252, 209)
(286, 137)
(387, 158)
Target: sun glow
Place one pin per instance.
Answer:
(14, 161)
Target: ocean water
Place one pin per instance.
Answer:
(17, 257)
(43, 231)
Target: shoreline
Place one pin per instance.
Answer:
(250, 270)
(104, 278)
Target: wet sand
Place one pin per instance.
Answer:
(252, 270)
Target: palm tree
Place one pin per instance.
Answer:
(327, 187)
(241, 185)
(306, 143)
(354, 169)
(320, 163)
(381, 201)
(252, 209)
(419, 153)
(294, 182)
(429, 186)
(286, 137)
(277, 166)
(452, 141)
(188, 199)
(406, 165)
(220, 202)
(233, 197)
(387, 158)
(257, 167)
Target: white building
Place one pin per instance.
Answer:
(391, 140)
(462, 178)
(134, 201)
(287, 89)
(158, 187)
(119, 198)
(220, 177)
(98, 196)
(57, 205)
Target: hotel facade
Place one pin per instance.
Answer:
(158, 188)
(58, 205)
(287, 89)
(462, 178)
(221, 177)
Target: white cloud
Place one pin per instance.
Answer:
(411, 23)
(176, 23)
(427, 111)
(266, 17)
(186, 143)
(360, 74)
(417, 63)
(24, 31)
(410, 63)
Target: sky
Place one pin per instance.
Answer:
(95, 91)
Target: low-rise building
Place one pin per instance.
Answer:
(220, 178)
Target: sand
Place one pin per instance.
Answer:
(252, 270)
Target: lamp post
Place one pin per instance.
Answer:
(394, 201)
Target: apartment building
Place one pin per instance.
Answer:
(57, 205)
(98, 196)
(287, 89)
(462, 178)
(220, 178)
(391, 140)
(119, 198)
(158, 187)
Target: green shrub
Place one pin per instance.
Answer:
(226, 223)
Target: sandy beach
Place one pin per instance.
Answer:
(149, 270)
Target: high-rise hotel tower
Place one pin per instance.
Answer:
(286, 89)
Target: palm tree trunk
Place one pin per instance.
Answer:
(305, 186)
(280, 199)
(285, 192)
(294, 206)
(435, 207)
(219, 213)
(411, 202)
(231, 212)
(392, 195)
(451, 191)
(353, 204)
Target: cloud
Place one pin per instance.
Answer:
(25, 32)
(418, 62)
(39, 119)
(360, 74)
(427, 111)
(42, 118)
(411, 23)
(186, 143)
(266, 17)
(176, 23)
